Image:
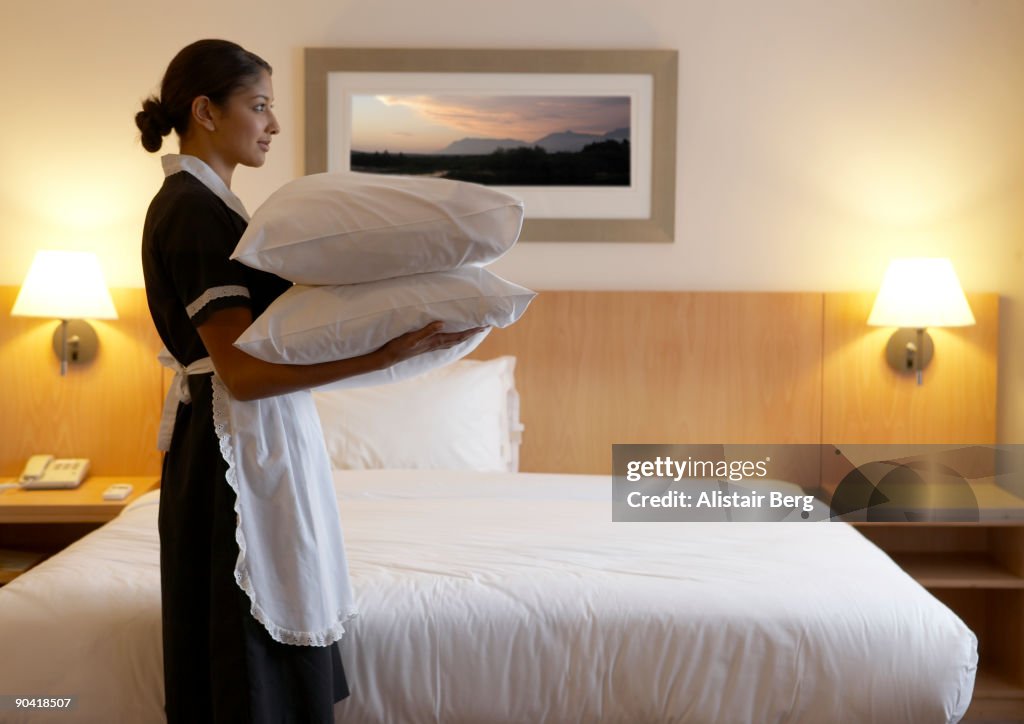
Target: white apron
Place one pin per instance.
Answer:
(291, 561)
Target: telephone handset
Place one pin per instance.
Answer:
(45, 471)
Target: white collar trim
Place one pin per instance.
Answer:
(175, 162)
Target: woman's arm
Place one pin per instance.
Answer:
(249, 378)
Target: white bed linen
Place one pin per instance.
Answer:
(506, 597)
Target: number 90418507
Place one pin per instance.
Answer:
(36, 702)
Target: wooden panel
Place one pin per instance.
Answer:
(995, 616)
(46, 538)
(597, 368)
(867, 402)
(939, 538)
(1006, 650)
(957, 570)
(985, 709)
(996, 686)
(107, 410)
(1008, 545)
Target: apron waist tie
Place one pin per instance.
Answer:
(178, 392)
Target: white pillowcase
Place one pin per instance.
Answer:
(349, 228)
(464, 416)
(306, 325)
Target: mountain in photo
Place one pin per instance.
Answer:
(480, 146)
(566, 141)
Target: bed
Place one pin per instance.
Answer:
(512, 597)
(490, 595)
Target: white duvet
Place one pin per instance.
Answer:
(514, 598)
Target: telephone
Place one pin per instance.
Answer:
(44, 471)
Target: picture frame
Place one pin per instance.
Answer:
(338, 80)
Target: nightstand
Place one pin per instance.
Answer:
(35, 524)
(977, 569)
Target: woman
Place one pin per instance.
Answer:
(254, 586)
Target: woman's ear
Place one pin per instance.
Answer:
(202, 113)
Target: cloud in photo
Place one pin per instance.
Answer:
(421, 123)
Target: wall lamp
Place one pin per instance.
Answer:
(917, 294)
(69, 286)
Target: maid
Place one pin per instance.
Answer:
(254, 584)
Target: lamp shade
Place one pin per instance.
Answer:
(919, 293)
(65, 285)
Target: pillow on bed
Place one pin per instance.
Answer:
(306, 325)
(349, 228)
(464, 416)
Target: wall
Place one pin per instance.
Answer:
(816, 140)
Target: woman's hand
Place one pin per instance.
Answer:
(248, 378)
(427, 339)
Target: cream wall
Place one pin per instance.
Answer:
(816, 139)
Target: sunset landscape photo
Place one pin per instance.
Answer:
(504, 140)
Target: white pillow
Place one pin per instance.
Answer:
(349, 228)
(306, 325)
(464, 416)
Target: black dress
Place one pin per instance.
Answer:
(220, 664)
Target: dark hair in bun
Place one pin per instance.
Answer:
(153, 123)
(211, 68)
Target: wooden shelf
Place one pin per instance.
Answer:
(996, 699)
(13, 563)
(991, 684)
(957, 570)
(977, 570)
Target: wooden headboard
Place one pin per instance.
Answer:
(594, 368)
(597, 368)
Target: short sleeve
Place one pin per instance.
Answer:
(199, 238)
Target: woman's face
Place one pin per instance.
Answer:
(244, 124)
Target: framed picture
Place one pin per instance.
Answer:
(587, 138)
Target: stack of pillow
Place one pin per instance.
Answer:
(373, 257)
